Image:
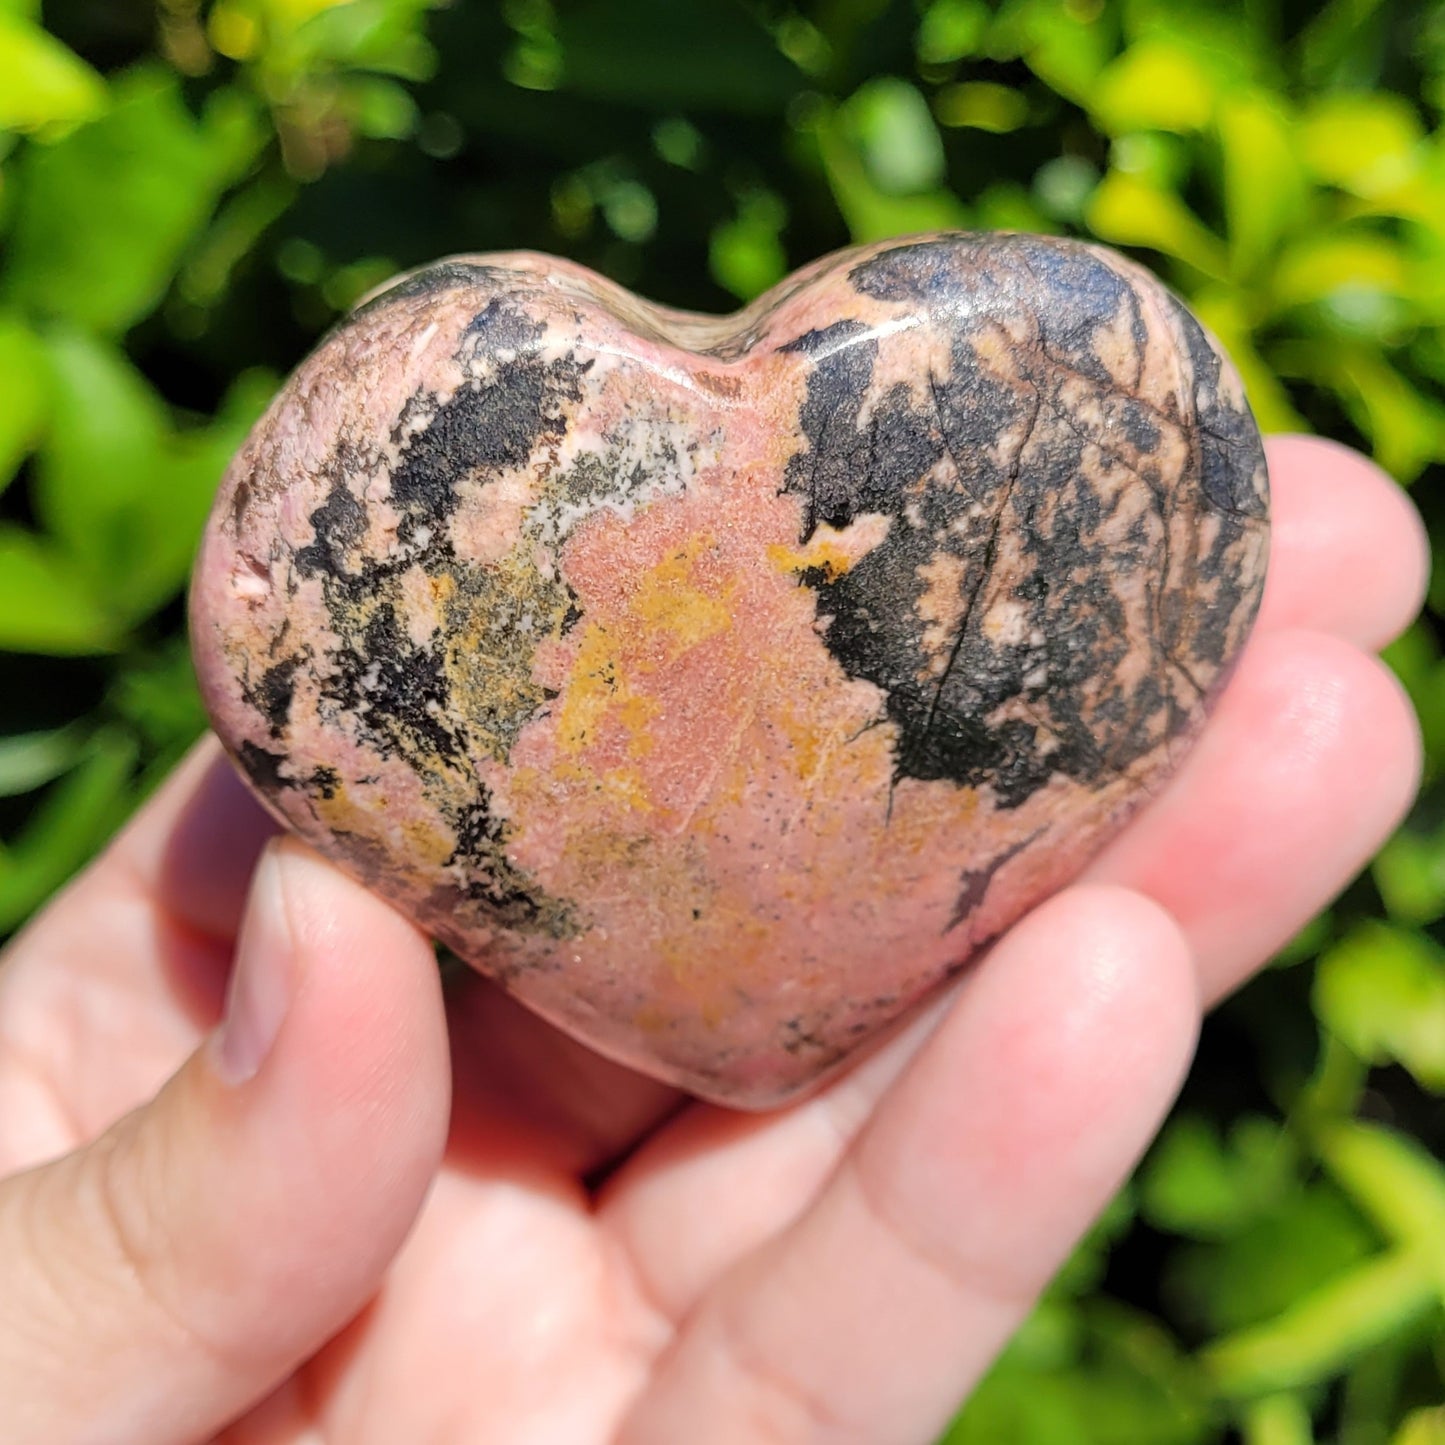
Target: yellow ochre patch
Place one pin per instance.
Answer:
(831, 550)
(668, 612)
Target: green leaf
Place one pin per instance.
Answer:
(1398, 1184)
(124, 492)
(25, 389)
(381, 35)
(1409, 871)
(1264, 185)
(1127, 210)
(871, 214)
(1064, 46)
(104, 451)
(380, 108)
(46, 602)
(158, 698)
(1278, 1420)
(982, 105)
(1381, 990)
(44, 87)
(896, 137)
(30, 760)
(1155, 85)
(1289, 1249)
(1422, 1427)
(106, 214)
(1194, 1185)
(1338, 269)
(950, 30)
(745, 254)
(1406, 427)
(1122, 1380)
(1367, 143)
(73, 819)
(1313, 1339)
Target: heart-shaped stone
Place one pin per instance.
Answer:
(721, 685)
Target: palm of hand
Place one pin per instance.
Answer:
(593, 1258)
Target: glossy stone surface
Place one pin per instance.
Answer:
(721, 685)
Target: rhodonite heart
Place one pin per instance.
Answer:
(721, 685)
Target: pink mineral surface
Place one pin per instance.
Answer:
(721, 685)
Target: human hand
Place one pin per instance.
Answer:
(273, 1221)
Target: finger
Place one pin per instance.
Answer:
(172, 1272)
(874, 1313)
(1308, 762)
(200, 865)
(519, 1077)
(110, 987)
(194, 845)
(1348, 551)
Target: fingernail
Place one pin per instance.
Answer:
(260, 990)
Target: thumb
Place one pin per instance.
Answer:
(157, 1282)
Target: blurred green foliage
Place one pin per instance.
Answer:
(190, 193)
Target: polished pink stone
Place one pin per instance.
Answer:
(720, 686)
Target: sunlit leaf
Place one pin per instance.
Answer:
(1123, 1382)
(1195, 1184)
(1154, 85)
(951, 29)
(1008, 206)
(1317, 268)
(1128, 211)
(1066, 46)
(1409, 871)
(1365, 142)
(1264, 185)
(30, 760)
(115, 482)
(1398, 1184)
(896, 137)
(982, 105)
(1063, 186)
(24, 393)
(106, 213)
(746, 254)
(70, 823)
(1381, 990)
(44, 87)
(1324, 1331)
(1422, 1427)
(381, 108)
(46, 600)
(378, 35)
(1405, 426)
(1278, 1420)
(1276, 1252)
(870, 213)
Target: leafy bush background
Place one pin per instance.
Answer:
(190, 193)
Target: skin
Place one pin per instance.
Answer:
(359, 1234)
